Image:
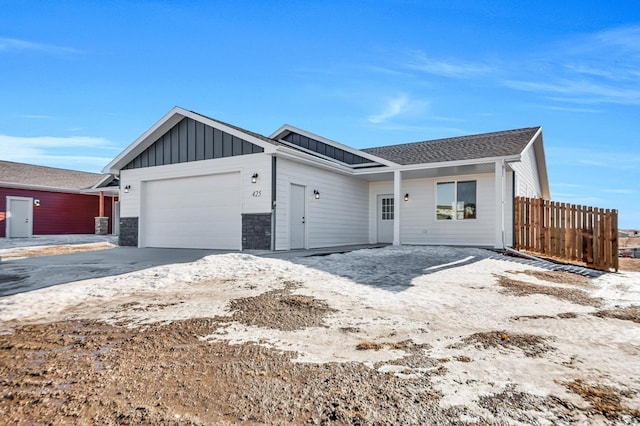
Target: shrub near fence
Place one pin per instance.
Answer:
(567, 232)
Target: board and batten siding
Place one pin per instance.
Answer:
(527, 179)
(418, 223)
(256, 197)
(339, 217)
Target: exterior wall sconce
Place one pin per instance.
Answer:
(406, 196)
(36, 203)
(127, 189)
(316, 194)
(254, 178)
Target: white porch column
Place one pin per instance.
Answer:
(500, 188)
(397, 180)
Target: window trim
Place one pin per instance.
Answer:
(455, 188)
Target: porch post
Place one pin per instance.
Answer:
(101, 222)
(500, 187)
(101, 205)
(397, 180)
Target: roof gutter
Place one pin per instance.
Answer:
(441, 164)
(41, 188)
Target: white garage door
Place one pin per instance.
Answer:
(193, 212)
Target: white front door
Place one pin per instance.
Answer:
(297, 219)
(385, 213)
(19, 217)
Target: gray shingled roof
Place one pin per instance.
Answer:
(31, 175)
(486, 145)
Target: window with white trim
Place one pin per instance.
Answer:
(456, 200)
(387, 209)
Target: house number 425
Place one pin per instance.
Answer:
(257, 193)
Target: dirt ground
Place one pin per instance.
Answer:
(90, 372)
(22, 252)
(122, 371)
(631, 265)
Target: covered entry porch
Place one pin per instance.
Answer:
(462, 204)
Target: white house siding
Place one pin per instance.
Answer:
(418, 223)
(527, 180)
(255, 198)
(339, 217)
(508, 210)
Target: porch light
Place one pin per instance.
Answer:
(406, 196)
(316, 194)
(127, 188)
(254, 178)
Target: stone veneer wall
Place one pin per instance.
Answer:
(102, 225)
(128, 232)
(256, 231)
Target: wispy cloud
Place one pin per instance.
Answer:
(397, 106)
(12, 44)
(602, 67)
(58, 151)
(625, 38)
(35, 116)
(595, 157)
(583, 91)
(571, 109)
(622, 191)
(446, 68)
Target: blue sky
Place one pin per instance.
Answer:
(81, 80)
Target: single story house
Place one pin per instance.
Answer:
(37, 200)
(193, 181)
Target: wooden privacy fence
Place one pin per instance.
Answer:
(568, 232)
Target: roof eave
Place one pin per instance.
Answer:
(39, 187)
(299, 156)
(441, 164)
(541, 162)
(289, 128)
(141, 143)
(163, 125)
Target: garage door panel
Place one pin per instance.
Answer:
(193, 212)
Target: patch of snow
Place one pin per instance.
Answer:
(438, 307)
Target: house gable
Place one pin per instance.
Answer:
(191, 140)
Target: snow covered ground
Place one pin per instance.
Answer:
(439, 307)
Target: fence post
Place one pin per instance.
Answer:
(614, 245)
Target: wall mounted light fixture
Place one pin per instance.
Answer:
(316, 194)
(36, 203)
(254, 178)
(406, 196)
(127, 189)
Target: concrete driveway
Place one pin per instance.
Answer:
(22, 275)
(27, 274)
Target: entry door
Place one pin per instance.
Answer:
(386, 211)
(20, 217)
(297, 220)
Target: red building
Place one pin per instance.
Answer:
(37, 200)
